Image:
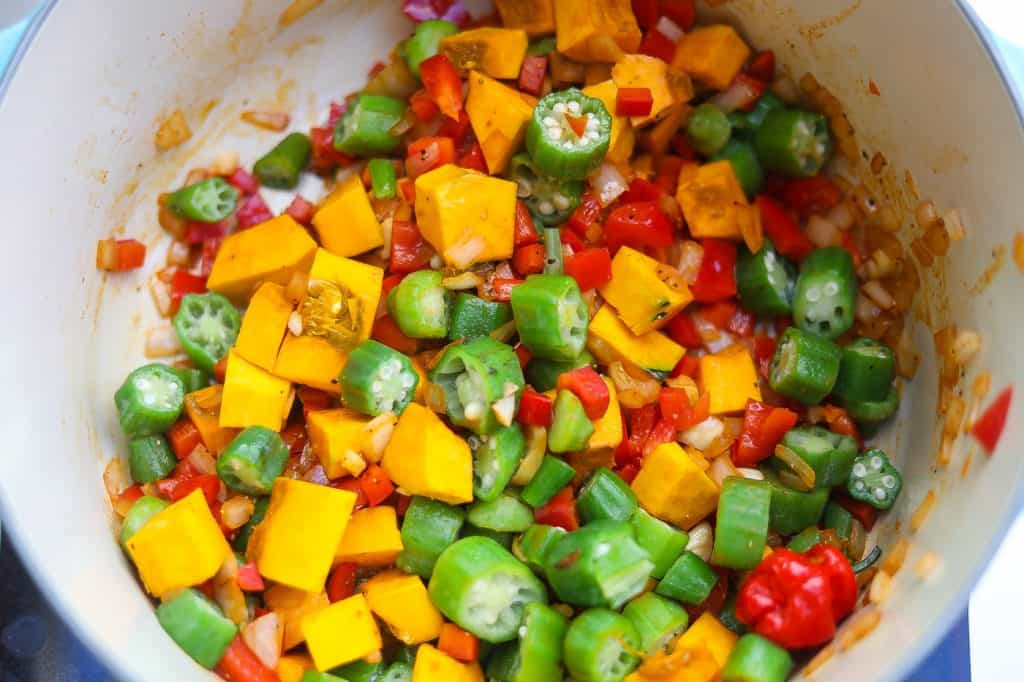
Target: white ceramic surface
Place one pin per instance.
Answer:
(76, 130)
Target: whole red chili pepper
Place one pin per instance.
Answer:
(840, 577)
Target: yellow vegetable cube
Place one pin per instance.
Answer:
(180, 547)
(296, 542)
(264, 325)
(310, 361)
(729, 376)
(672, 487)
(345, 221)
(668, 86)
(499, 116)
(253, 397)
(622, 139)
(401, 601)
(269, 252)
(371, 538)
(596, 30)
(708, 632)
(332, 434)
(291, 668)
(536, 17)
(608, 428)
(424, 457)
(432, 665)
(498, 52)
(361, 279)
(468, 217)
(645, 292)
(713, 201)
(203, 408)
(712, 54)
(341, 633)
(683, 664)
(652, 351)
(292, 605)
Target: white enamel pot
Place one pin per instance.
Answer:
(80, 105)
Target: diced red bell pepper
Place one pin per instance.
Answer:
(301, 210)
(591, 268)
(763, 429)
(459, 644)
(989, 427)
(220, 370)
(764, 351)
(810, 195)
(742, 322)
(646, 12)
(841, 578)
(443, 84)
(634, 102)
(762, 66)
(131, 493)
(335, 111)
(197, 233)
(376, 485)
(459, 129)
(589, 387)
(531, 74)
(523, 354)
(407, 190)
(428, 153)
(656, 44)
(683, 331)
(627, 472)
(573, 241)
(208, 256)
(352, 485)
(529, 260)
(183, 437)
(663, 432)
(719, 314)
(746, 90)
(386, 331)
(295, 437)
(839, 421)
(687, 366)
(325, 158)
(402, 503)
(641, 225)
(666, 172)
(244, 181)
(535, 409)
(683, 12)
(525, 232)
(180, 486)
(560, 511)
(182, 283)
(676, 408)
(423, 106)
(249, 578)
(313, 398)
(503, 288)
(586, 214)
(390, 282)
(862, 511)
(240, 664)
(474, 159)
(120, 255)
(409, 251)
(641, 190)
(252, 211)
(716, 279)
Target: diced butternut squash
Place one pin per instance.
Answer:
(672, 487)
(203, 408)
(345, 221)
(609, 339)
(656, 139)
(712, 54)
(343, 632)
(291, 668)
(468, 217)
(596, 30)
(297, 540)
(424, 457)
(371, 537)
(292, 605)
(683, 664)
(668, 85)
(361, 279)
(645, 292)
(622, 139)
(180, 547)
(433, 665)
(730, 378)
(333, 434)
(713, 201)
(264, 326)
(310, 361)
(269, 252)
(708, 632)
(253, 397)
(536, 17)
(499, 116)
(402, 602)
(608, 428)
(498, 52)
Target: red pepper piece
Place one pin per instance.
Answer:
(390, 282)
(683, 331)
(748, 90)
(474, 158)
(663, 432)
(839, 421)
(640, 225)
(641, 190)
(220, 370)
(656, 44)
(244, 181)
(742, 322)
(687, 366)
(386, 331)
(762, 66)
(131, 493)
(719, 314)
(240, 664)
(409, 251)
(531, 75)
(180, 486)
(295, 437)
(764, 351)
(523, 355)
(301, 210)
(989, 427)
(862, 511)
(666, 172)
(313, 398)
(503, 288)
(525, 232)
(715, 600)
(428, 153)
(325, 158)
(529, 260)
(209, 254)
(586, 214)
(352, 485)
(459, 644)
(252, 211)
(560, 511)
(589, 387)
(423, 106)
(646, 13)
(573, 241)
(443, 84)
(183, 437)
(683, 12)
(841, 578)
(810, 195)
(459, 129)
(535, 409)
(716, 279)
(577, 123)
(402, 503)
(183, 282)
(591, 268)
(376, 485)
(634, 102)
(249, 578)
(676, 408)
(763, 428)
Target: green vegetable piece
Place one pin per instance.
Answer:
(537, 655)
(473, 317)
(241, 541)
(795, 143)
(483, 589)
(357, 671)
(830, 454)
(742, 520)
(804, 367)
(745, 165)
(708, 129)
(251, 462)
(149, 401)
(765, 281)
(553, 475)
(690, 579)
(866, 371)
(532, 546)
(745, 124)
(662, 543)
(543, 374)
(600, 646)
(420, 305)
(426, 42)
(145, 508)
(570, 427)
(551, 316)
(198, 626)
(504, 539)
(873, 479)
(428, 528)
(504, 514)
(316, 676)
(805, 539)
(874, 411)
(377, 379)
(658, 621)
(150, 459)
(825, 297)
(206, 201)
(605, 496)
(553, 262)
(495, 461)
(756, 659)
(194, 379)
(599, 564)
(727, 616)
(480, 379)
(399, 671)
(281, 166)
(793, 510)
(551, 200)
(365, 128)
(868, 561)
(207, 325)
(541, 47)
(383, 178)
(553, 143)
(838, 519)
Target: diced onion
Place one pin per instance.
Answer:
(235, 512)
(115, 477)
(786, 90)
(378, 434)
(353, 462)
(224, 163)
(404, 124)
(691, 254)
(720, 343)
(462, 282)
(295, 323)
(268, 120)
(739, 94)
(822, 232)
(162, 342)
(801, 469)
(505, 332)
(608, 182)
(202, 461)
(536, 447)
(633, 392)
(230, 598)
(160, 291)
(965, 346)
(721, 469)
(264, 637)
(505, 409)
(701, 435)
(106, 254)
(702, 539)
(465, 252)
(669, 29)
(178, 254)
(195, 175)
(877, 293)
(842, 215)
(752, 474)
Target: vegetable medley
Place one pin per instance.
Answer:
(554, 383)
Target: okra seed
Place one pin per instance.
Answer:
(550, 121)
(889, 482)
(876, 463)
(813, 295)
(546, 207)
(574, 107)
(831, 289)
(561, 201)
(559, 107)
(859, 469)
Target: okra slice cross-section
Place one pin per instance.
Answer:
(150, 400)
(482, 382)
(252, 461)
(569, 134)
(537, 655)
(377, 379)
(601, 646)
(208, 326)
